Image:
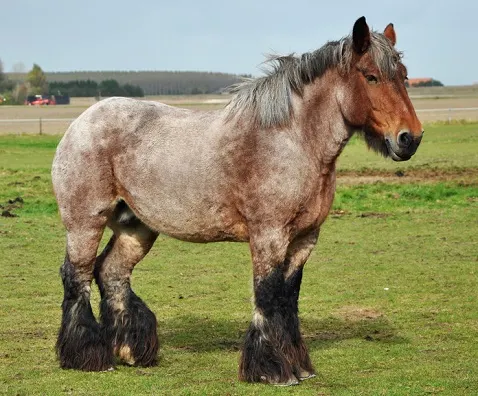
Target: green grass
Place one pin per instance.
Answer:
(397, 199)
(443, 146)
(388, 302)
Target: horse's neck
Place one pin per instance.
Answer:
(321, 121)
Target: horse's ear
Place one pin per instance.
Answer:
(389, 33)
(361, 36)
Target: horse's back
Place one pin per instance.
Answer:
(119, 126)
(117, 117)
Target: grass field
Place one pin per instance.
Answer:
(388, 303)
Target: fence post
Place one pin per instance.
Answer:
(449, 116)
(40, 126)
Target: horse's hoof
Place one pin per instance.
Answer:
(108, 370)
(304, 375)
(290, 382)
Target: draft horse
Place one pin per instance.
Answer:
(262, 171)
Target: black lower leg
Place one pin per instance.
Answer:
(130, 327)
(274, 351)
(80, 343)
(296, 351)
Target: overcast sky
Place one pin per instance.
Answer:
(439, 38)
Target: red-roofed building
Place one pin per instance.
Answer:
(419, 81)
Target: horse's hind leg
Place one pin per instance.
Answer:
(128, 324)
(80, 343)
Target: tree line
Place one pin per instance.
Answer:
(88, 88)
(152, 82)
(15, 90)
(121, 83)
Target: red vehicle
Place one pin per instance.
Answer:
(40, 100)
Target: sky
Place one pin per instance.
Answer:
(439, 39)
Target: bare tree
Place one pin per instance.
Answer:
(2, 75)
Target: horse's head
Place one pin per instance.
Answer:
(378, 103)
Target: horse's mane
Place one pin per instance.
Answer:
(266, 100)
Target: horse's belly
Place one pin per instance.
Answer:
(203, 232)
(194, 223)
(236, 233)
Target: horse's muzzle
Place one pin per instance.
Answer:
(404, 146)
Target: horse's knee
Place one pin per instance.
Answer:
(299, 251)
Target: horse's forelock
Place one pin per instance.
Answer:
(384, 55)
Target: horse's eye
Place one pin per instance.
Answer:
(371, 79)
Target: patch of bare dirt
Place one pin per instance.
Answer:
(377, 215)
(336, 214)
(465, 176)
(7, 213)
(12, 204)
(357, 314)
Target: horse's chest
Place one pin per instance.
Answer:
(315, 210)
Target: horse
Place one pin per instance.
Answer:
(261, 170)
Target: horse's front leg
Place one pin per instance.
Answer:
(297, 254)
(273, 350)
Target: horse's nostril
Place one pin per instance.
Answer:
(404, 139)
(419, 138)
